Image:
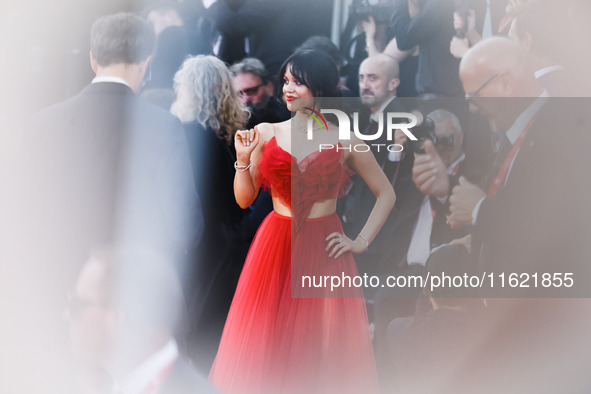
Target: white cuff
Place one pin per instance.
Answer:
(442, 200)
(395, 156)
(476, 209)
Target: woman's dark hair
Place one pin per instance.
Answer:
(316, 70)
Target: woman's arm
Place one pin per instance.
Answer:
(364, 163)
(391, 49)
(370, 29)
(395, 53)
(247, 181)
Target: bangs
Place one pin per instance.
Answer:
(302, 75)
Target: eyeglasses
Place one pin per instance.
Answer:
(249, 91)
(477, 91)
(446, 141)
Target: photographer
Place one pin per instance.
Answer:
(438, 151)
(466, 34)
(268, 30)
(435, 167)
(474, 20)
(432, 31)
(376, 35)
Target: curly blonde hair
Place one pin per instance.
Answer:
(205, 93)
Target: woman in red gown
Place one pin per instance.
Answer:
(281, 336)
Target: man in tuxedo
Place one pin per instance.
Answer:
(122, 324)
(105, 166)
(427, 215)
(517, 214)
(534, 219)
(433, 173)
(378, 80)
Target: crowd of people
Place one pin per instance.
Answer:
(182, 196)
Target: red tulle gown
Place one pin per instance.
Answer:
(281, 337)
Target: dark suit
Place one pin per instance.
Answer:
(224, 245)
(392, 241)
(105, 167)
(539, 220)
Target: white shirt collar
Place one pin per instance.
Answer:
(524, 118)
(451, 168)
(110, 79)
(144, 374)
(543, 71)
(376, 115)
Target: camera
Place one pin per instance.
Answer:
(360, 10)
(425, 131)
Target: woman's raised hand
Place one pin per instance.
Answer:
(245, 141)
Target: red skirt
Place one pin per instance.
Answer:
(277, 338)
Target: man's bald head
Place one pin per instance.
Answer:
(493, 71)
(501, 57)
(384, 62)
(378, 80)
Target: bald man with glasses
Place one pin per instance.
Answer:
(530, 194)
(532, 219)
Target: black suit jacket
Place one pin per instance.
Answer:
(392, 241)
(539, 220)
(106, 167)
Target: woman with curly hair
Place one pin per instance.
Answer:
(211, 111)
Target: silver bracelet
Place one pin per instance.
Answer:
(241, 168)
(366, 241)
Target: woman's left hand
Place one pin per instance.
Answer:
(338, 244)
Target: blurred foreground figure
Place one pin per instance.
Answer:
(102, 167)
(122, 322)
(108, 165)
(533, 219)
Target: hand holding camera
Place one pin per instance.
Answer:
(429, 173)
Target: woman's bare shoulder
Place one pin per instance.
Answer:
(269, 130)
(266, 131)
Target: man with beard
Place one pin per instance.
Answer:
(252, 83)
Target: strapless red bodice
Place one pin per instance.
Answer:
(320, 176)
